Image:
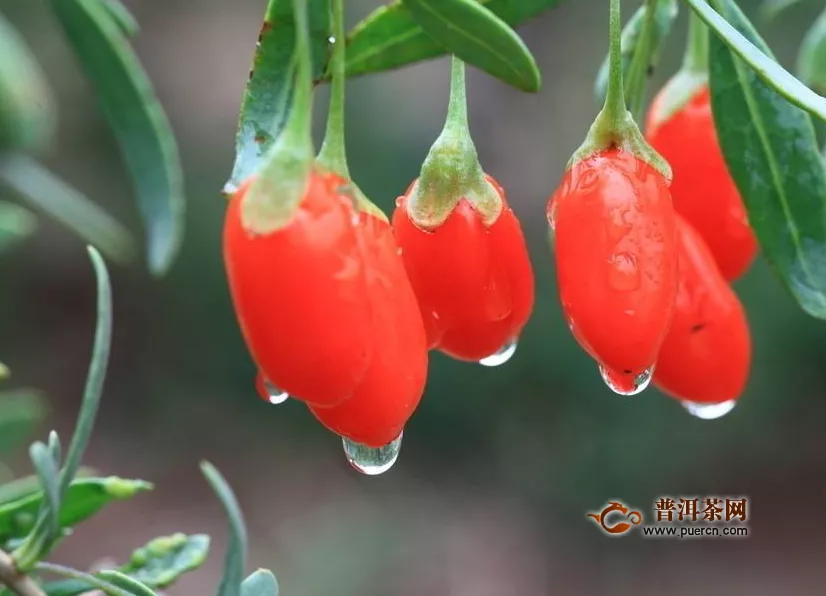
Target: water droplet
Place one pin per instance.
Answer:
(502, 355)
(275, 395)
(706, 411)
(372, 461)
(332, 39)
(623, 384)
(624, 274)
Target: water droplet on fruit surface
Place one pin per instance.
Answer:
(624, 274)
(275, 395)
(372, 461)
(709, 411)
(502, 355)
(623, 384)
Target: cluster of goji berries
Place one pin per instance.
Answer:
(338, 308)
(644, 263)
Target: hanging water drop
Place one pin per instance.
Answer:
(622, 385)
(275, 395)
(372, 461)
(709, 411)
(502, 355)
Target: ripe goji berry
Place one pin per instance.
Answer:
(392, 387)
(473, 280)
(300, 294)
(702, 189)
(706, 354)
(614, 237)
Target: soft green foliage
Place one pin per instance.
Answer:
(773, 156)
(260, 583)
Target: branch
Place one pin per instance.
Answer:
(20, 584)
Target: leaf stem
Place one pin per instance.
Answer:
(696, 54)
(90, 579)
(14, 580)
(615, 107)
(333, 152)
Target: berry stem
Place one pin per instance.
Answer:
(696, 54)
(297, 131)
(457, 121)
(641, 62)
(333, 152)
(615, 107)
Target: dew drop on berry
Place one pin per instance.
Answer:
(623, 384)
(275, 395)
(502, 355)
(623, 273)
(372, 461)
(706, 411)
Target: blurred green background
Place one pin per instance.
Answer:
(499, 466)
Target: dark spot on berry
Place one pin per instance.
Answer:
(698, 327)
(627, 371)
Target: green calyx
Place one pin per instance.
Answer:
(283, 179)
(333, 154)
(614, 126)
(451, 170)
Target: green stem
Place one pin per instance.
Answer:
(457, 121)
(696, 54)
(333, 152)
(298, 130)
(640, 62)
(615, 107)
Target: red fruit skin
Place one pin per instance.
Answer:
(706, 354)
(702, 190)
(394, 383)
(300, 295)
(615, 245)
(474, 284)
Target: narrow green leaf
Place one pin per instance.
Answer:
(236, 554)
(390, 37)
(93, 580)
(18, 488)
(27, 106)
(765, 67)
(55, 448)
(121, 15)
(47, 472)
(769, 146)
(665, 12)
(811, 60)
(473, 33)
(260, 583)
(20, 412)
(268, 94)
(137, 119)
(163, 560)
(769, 9)
(85, 498)
(53, 196)
(130, 584)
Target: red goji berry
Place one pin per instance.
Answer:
(706, 354)
(300, 294)
(702, 189)
(473, 281)
(392, 387)
(614, 236)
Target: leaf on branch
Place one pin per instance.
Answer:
(47, 470)
(390, 37)
(236, 554)
(268, 93)
(770, 149)
(137, 119)
(477, 36)
(260, 583)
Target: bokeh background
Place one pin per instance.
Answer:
(499, 466)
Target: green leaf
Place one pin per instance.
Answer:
(121, 15)
(94, 580)
(130, 584)
(811, 61)
(473, 33)
(85, 498)
(138, 121)
(236, 554)
(53, 196)
(156, 565)
(165, 559)
(20, 412)
(764, 66)
(260, 583)
(268, 94)
(47, 472)
(665, 12)
(27, 106)
(390, 37)
(770, 149)
(769, 9)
